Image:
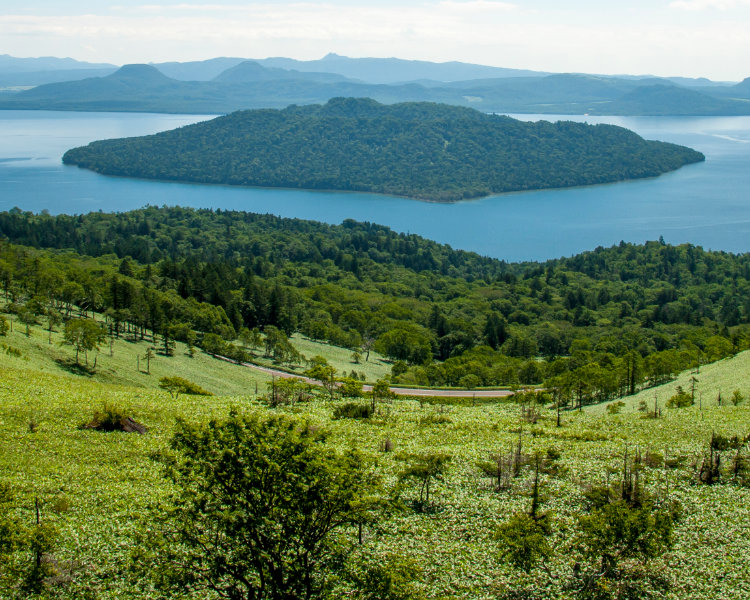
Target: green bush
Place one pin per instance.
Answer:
(435, 419)
(109, 418)
(389, 579)
(352, 410)
(179, 385)
(523, 541)
(11, 351)
(680, 400)
(254, 498)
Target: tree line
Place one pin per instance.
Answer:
(598, 324)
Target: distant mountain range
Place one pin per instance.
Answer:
(26, 72)
(223, 85)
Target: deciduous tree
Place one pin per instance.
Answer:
(84, 335)
(259, 510)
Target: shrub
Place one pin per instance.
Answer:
(680, 400)
(214, 344)
(399, 367)
(654, 460)
(11, 351)
(424, 468)
(470, 381)
(386, 445)
(350, 387)
(25, 550)
(617, 541)
(108, 418)
(435, 419)
(111, 418)
(178, 385)
(721, 443)
(352, 410)
(286, 391)
(389, 579)
(259, 510)
(523, 541)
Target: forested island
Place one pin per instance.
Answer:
(419, 150)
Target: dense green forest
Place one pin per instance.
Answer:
(594, 326)
(421, 150)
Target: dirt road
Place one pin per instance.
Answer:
(399, 391)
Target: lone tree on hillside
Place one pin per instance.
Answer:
(323, 372)
(258, 512)
(424, 469)
(149, 356)
(84, 335)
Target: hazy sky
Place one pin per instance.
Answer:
(661, 37)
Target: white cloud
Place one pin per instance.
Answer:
(480, 31)
(697, 5)
(485, 6)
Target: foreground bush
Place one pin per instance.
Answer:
(258, 511)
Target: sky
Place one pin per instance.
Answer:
(692, 38)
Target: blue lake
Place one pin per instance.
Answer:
(707, 204)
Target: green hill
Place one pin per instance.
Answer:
(712, 386)
(121, 361)
(605, 322)
(662, 100)
(427, 151)
(593, 327)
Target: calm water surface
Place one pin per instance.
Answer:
(706, 204)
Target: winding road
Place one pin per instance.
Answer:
(398, 391)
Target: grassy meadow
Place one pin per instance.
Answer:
(125, 364)
(339, 358)
(104, 482)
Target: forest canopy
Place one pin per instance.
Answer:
(596, 325)
(420, 150)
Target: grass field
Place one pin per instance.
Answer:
(340, 358)
(109, 479)
(722, 377)
(125, 365)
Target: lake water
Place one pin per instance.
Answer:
(707, 204)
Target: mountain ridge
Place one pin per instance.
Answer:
(228, 84)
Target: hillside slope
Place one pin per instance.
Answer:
(97, 487)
